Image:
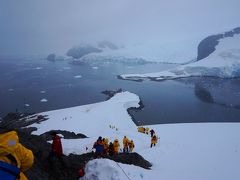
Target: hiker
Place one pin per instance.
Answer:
(125, 144)
(14, 157)
(147, 130)
(153, 140)
(152, 132)
(110, 149)
(98, 145)
(131, 146)
(141, 129)
(105, 145)
(116, 146)
(56, 151)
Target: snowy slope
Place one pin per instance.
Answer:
(94, 116)
(185, 151)
(223, 62)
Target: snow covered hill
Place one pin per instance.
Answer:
(185, 151)
(224, 62)
(207, 45)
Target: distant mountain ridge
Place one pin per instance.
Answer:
(207, 45)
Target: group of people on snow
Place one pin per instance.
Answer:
(152, 132)
(13, 153)
(102, 147)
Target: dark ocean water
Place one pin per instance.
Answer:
(36, 85)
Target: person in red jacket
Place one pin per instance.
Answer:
(56, 145)
(56, 151)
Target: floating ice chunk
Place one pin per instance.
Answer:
(42, 92)
(77, 76)
(95, 67)
(43, 100)
(38, 68)
(27, 105)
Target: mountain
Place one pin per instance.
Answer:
(208, 45)
(222, 62)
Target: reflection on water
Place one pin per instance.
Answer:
(224, 92)
(24, 84)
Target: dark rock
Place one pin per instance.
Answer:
(207, 46)
(236, 30)
(111, 93)
(51, 57)
(78, 52)
(131, 158)
(66, 134)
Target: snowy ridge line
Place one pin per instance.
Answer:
(224, 62)
(164, 78)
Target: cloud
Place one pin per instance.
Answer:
(36, 27)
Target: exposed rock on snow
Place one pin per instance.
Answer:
(53, 57)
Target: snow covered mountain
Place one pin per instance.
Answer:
(184, 151)
(208, 45)
(224, 62)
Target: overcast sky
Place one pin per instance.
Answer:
(44, 26)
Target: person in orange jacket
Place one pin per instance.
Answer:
(116, 146)
(105, 145)
(153, 140)
(131, 146)
(14, 153)
(125, 144)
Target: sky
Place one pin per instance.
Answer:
(46, 26)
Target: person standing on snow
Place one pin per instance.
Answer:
(152, 132)
(116, 146)
(14, 155)
(110, 149)
(56, 151)
(125, 144)
(98, 145)
(147, 130)
(131, 146)
(153, 140)
(105, 145)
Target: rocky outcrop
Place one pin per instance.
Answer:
(52, 57)
(78, 52)
(207, 45)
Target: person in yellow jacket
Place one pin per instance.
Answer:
(20, 156)
(141, 129)
(153, 140)
(147, 130)
(125, 144)
(105, 145)
(131, 146)
(116, 146)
